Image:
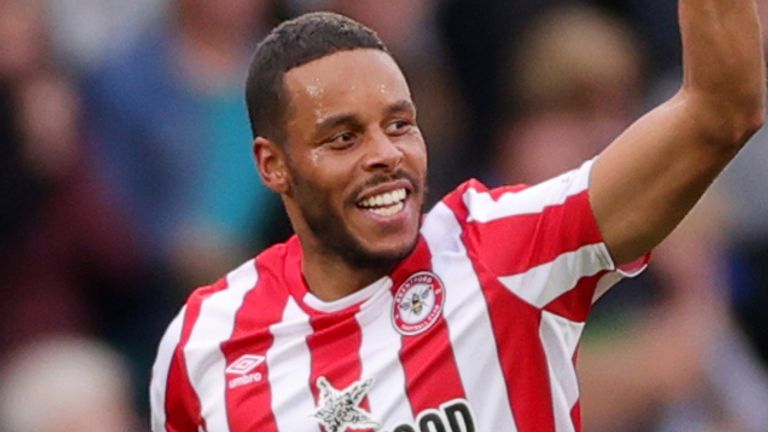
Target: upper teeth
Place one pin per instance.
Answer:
(384, 199)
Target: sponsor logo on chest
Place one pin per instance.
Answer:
(418, 303)
(453, 416)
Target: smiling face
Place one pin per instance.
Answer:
(355, 161)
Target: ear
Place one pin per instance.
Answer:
(270, 160)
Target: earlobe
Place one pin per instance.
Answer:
(270, 161)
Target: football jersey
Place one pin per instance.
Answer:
(476, 330)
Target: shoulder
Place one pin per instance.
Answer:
(267, 264)
(470, 196)
(470, 201)
(508, 221)
(211, 312)
(473, 201)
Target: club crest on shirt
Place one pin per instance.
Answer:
(418, 303)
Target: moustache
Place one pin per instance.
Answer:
(379, 178)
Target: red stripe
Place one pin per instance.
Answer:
(431, 372)
(334, 347)
(516, 329)
(535, 239)
(182, 404)
(576, 303)
(576, 417)
(334, 344)
(529, 240)
(249, 406)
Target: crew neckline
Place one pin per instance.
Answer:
(382, 284)
(299, 289)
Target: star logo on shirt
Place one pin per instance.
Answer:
(339, 410)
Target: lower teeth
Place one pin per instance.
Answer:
(388, 211)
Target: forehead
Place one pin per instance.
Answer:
(346, 81)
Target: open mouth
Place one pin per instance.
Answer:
(385, 204)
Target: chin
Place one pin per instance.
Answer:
(381, 257)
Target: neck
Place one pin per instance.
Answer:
(330, 277)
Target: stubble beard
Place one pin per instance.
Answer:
(328, 227)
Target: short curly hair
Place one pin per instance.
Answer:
(289, 45)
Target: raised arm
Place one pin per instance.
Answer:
(648, 179)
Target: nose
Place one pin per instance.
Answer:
(383, 153)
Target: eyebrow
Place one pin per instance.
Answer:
(336, 120)
(403, 105)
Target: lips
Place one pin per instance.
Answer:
(385, 203)
(385, 195)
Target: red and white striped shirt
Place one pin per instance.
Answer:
(476, 330)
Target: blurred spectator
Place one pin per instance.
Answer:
(24, 41)
(655, 23)
(64, 242)
(479, 35)
(173, 138)
(576, 76)
(678, 365)
(86, 31)
(66, 384)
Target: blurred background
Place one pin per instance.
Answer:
(126, 181)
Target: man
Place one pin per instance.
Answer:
(467, 318)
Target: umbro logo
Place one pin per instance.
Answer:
(243, 367)
(245, 364)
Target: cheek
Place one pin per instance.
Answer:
(332, 168)
(418, 157)
(324, 177)
(311, 199)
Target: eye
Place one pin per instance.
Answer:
(399, 127)
(342, 140)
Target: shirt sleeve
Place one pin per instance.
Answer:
(542, 242)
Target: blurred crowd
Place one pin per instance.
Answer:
(126, 180)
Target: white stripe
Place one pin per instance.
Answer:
(544, 283)
(466, 314)
(356, 297)
(559, 337)
(205, 361)
(289, 365)
(160, 370)
(483, 208)
(379, 353)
